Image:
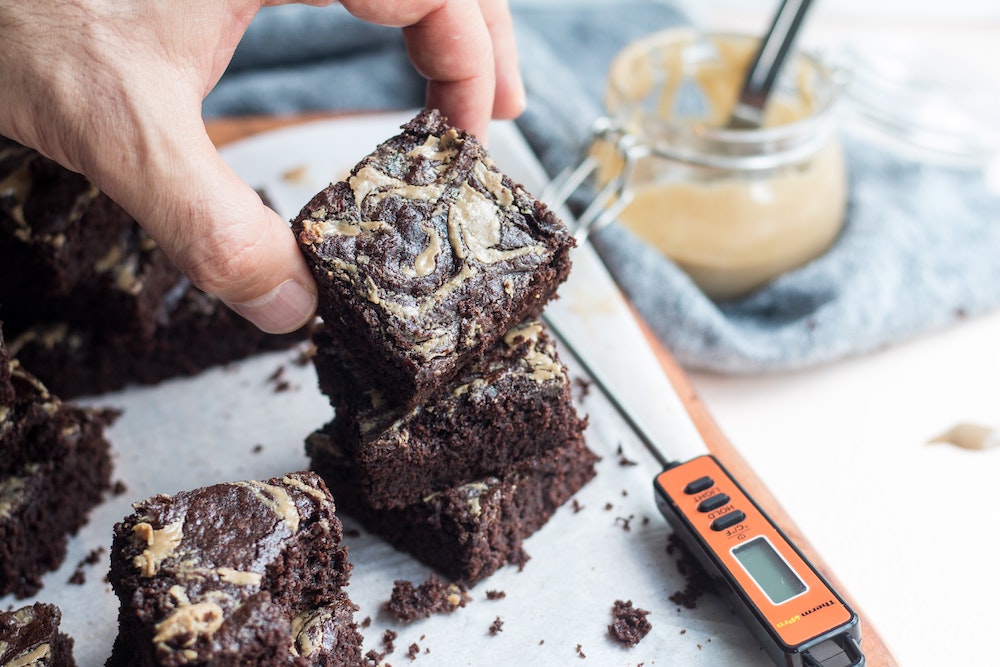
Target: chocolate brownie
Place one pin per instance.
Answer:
(53, 229)
(513, 403)
(195, 331)
(471, 530)
(55, 463)
(241, 573)
(31, 636)
(426, 255)
(90, 303)
(6, 388)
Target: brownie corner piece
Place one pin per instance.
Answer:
(55, 465)
(426, 255)
(31, 636)
(247, 572)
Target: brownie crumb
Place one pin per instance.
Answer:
(608, 507)
(94, 556)
(388, 637)
(496, 626)
(624, 460)
(413, 651)
(119, 489)
(257, 449)
(434, 596)
(697, 580)
(352, 532)
(79, 576)
(626, 522)
(375, 657)
(583, 385)
(579, 651)
(576, 506)
(278, 380)
(495, 595)
(628, 624)
(367, 622)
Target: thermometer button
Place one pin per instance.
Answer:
(713, 502)
(699, 485)
(728, 520)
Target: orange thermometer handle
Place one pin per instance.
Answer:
(783, 599)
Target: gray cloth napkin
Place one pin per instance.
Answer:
(920, 248)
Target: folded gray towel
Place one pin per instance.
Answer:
(920, 248)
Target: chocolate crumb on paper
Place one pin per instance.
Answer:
(496, 626)
(628, 624)
(697, 581)
(434, 596)
(495, 595)
(413, 651)
(579, 651)
(624, 460)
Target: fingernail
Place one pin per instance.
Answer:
(285, 308)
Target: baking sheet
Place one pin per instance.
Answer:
(249, 421)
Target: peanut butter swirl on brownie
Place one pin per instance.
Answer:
(246, 571)
(427, 254)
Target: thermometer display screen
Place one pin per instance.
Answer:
(766, 566)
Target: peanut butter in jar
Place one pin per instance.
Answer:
(733, 208)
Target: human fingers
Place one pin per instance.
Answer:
(509, 100)
(217, 231)
(449, 43)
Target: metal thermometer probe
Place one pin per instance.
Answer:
(797, 617)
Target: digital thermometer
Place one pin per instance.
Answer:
(797, 617)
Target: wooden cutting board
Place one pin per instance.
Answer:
(877, 653)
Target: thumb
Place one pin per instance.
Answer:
(220, 234)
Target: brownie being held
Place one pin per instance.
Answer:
(426, 255)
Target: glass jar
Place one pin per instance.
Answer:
(732, 208)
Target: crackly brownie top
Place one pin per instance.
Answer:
(27, 634)
(422, 224)
(203, 558)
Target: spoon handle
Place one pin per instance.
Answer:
(766, 66)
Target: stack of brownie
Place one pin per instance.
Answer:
(241, 573)
(454, 433)
(55, 463)
(90, 303)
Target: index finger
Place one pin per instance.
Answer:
(450, 44)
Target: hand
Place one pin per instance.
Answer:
(114, 89)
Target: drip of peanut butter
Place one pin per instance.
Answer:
(160, 545)
(277, 500)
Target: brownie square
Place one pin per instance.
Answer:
(55, 230)
(241, 573)
(471, 530)
(55, 464)
(31, 636)
(426, 255)
(193, 331)
(90, 303)
(513, 403)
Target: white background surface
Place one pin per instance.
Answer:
(905, 524)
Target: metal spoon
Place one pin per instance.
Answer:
(749, 110)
